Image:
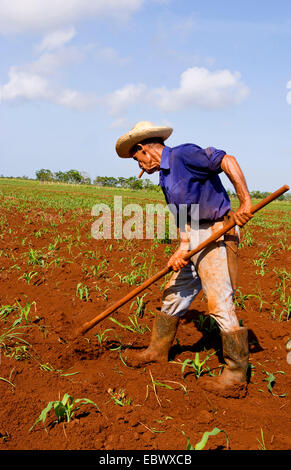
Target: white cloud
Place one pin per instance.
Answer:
(121, 99)
(29, 86)
(18, 16)
(75, 100)
(288, 97)
(199, 87)
(202, 88)
(56, 39)
(49, 62)
(24, 85)
(32, 81)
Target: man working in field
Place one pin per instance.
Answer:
(189, 175)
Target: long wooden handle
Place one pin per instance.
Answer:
(90, 324)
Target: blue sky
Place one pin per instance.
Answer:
(77, 74)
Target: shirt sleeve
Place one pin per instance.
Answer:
(215, 156)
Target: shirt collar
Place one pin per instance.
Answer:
(165, 158)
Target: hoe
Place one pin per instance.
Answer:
(90, 324)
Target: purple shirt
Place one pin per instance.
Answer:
(189, 175)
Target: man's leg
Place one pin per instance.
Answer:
(212, 267)
(178, 295)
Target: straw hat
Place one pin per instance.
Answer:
(141, 131)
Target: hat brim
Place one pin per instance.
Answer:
(127, 141)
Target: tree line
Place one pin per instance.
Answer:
(77, 177)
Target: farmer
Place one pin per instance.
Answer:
(189, 175)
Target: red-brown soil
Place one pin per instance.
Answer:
(151, 418)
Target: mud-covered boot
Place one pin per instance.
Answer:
(163, 334)
(233, 380)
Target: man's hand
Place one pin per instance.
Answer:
(243, 214)
(176, 261)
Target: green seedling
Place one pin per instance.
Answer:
(168, 250)
(24, 313)
(64, 409)
(200, 445)
(5, 310)
(36, 258)
(247, 239)
(262, 441)
(135, 326)
(283, 287)
(103, 292)
(8, 380)
(140, 306)
(271, 379)
(206, 323)
(11, 335)
(101, 337)
(197, 365)
(28, 276)
(82, 292)
(100, 269)
(261, 262)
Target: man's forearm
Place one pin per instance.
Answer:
(233, 171)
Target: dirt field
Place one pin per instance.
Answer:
(54, 276)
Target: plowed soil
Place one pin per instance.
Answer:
(149, 408)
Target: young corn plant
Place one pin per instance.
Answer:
(102, 336)
(197, 365)
(282, 310)
(271, 379)
(36, 258)
(25, 313)
(28, 276)
(11, 337)
(247, 239)
(261, 262)
(206, 323)
(135, 327)
(140, 306)
(201, 444)
(5, 311)
(64, 409)
(82, 292)
(103, 292)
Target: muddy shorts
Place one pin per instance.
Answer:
(208, 270)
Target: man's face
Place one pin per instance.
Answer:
(146, 158)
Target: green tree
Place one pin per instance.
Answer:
(44, 175)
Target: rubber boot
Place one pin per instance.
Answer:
(233, 380)
(163, 334)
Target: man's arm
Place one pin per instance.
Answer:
(233, 171)
(176, 261)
